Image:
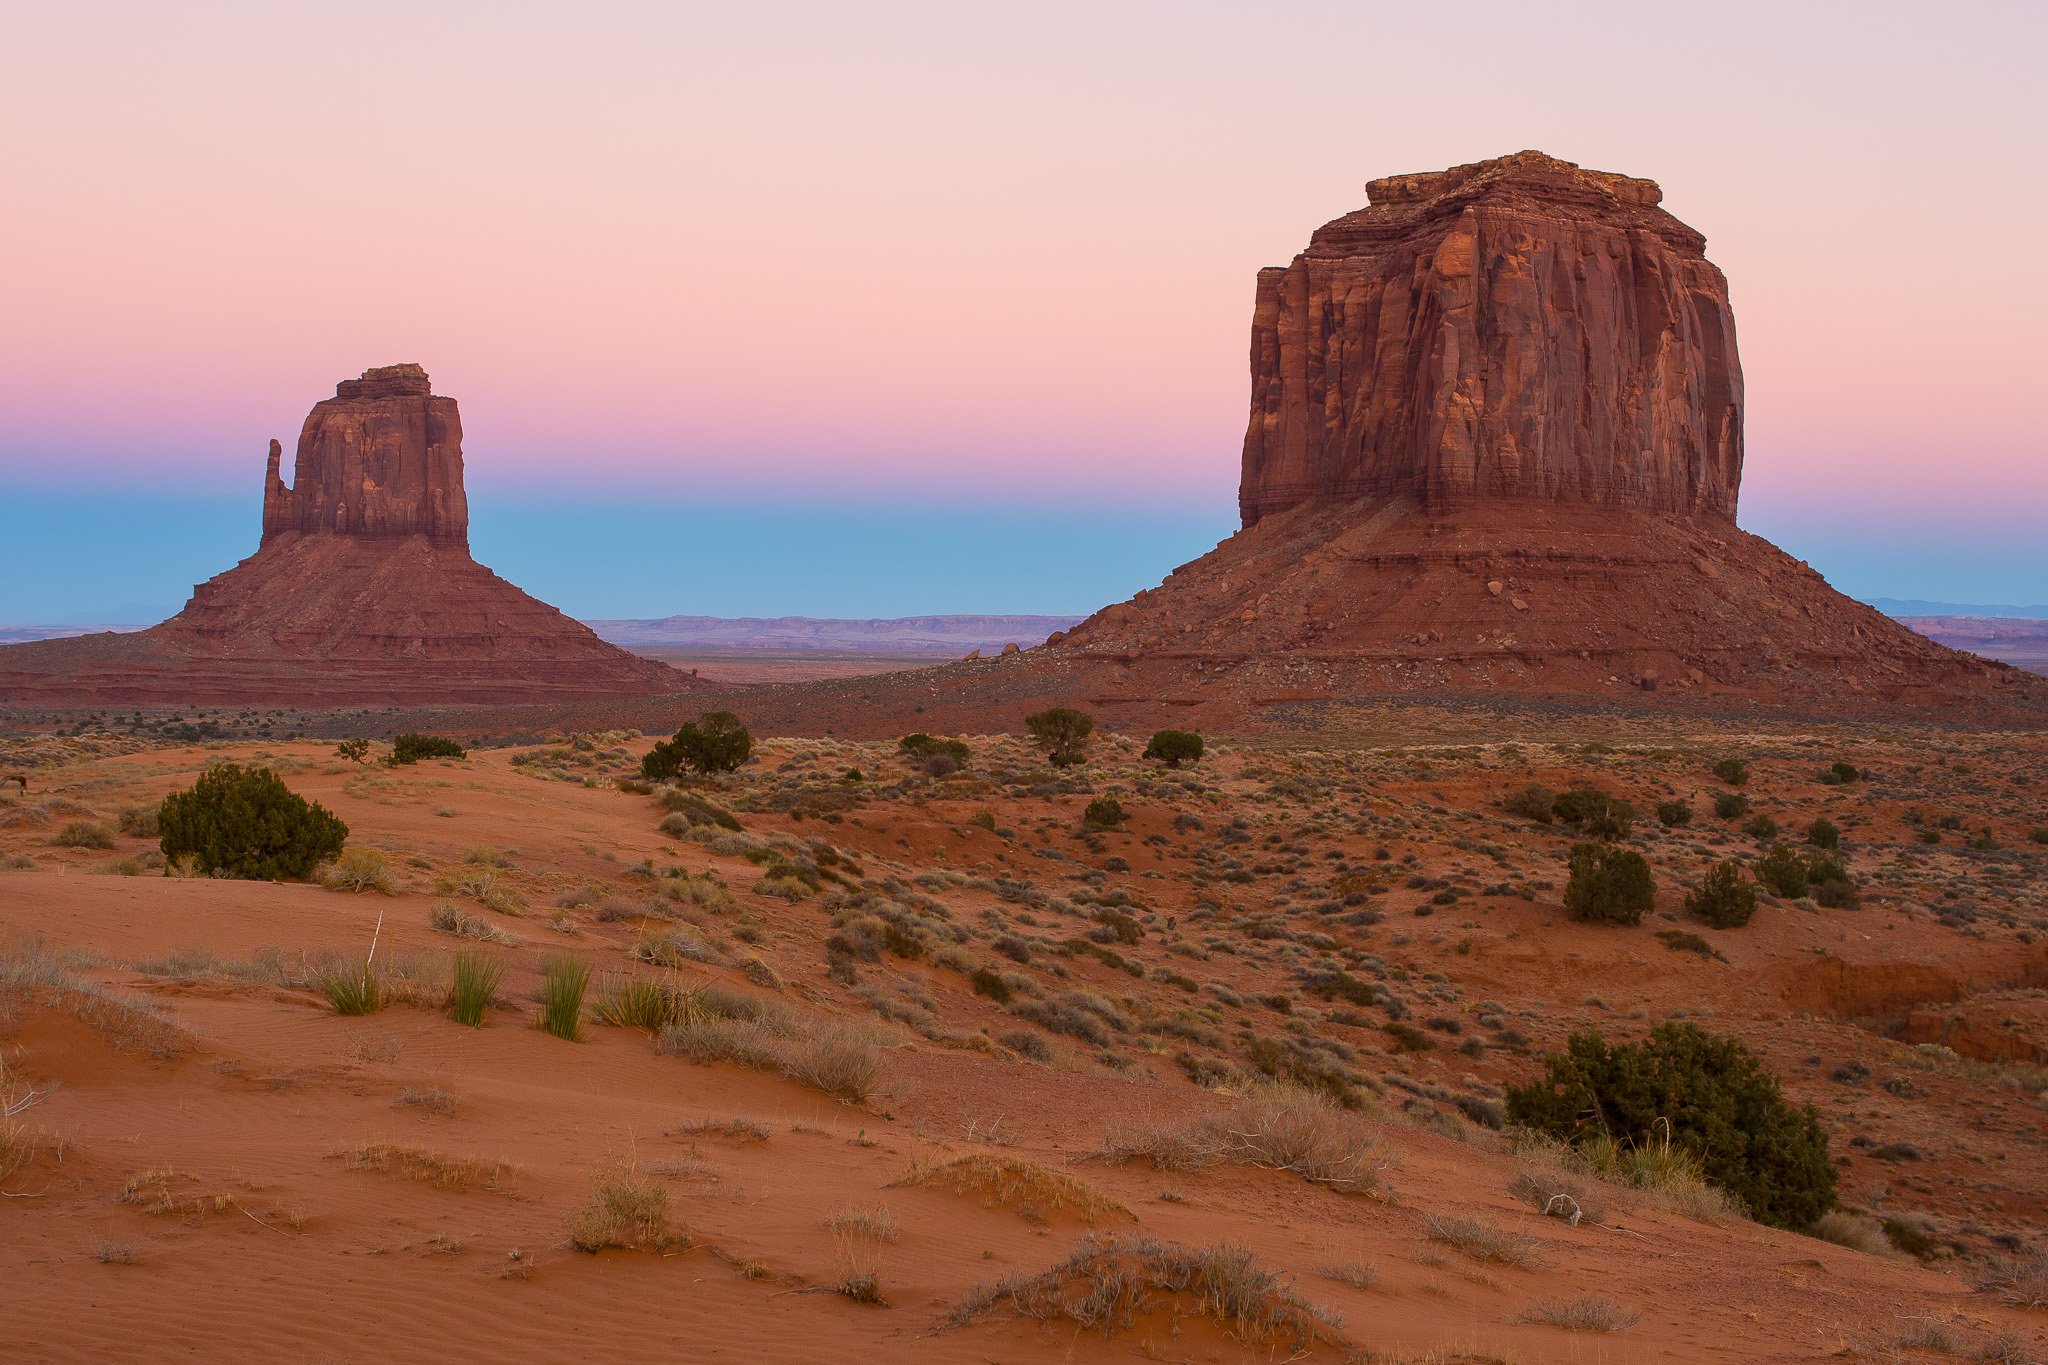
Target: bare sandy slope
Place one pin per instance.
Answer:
(203, 1183)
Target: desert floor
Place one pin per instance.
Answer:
(1047, 1042)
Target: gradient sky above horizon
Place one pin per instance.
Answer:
(849, 310)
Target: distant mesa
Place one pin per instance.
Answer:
(941, 637)
(361, 592)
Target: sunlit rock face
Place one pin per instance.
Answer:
(1517, 328)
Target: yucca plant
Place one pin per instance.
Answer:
(352, 987)
(562, 984)
(474, 986)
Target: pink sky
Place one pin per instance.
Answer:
(965, 251)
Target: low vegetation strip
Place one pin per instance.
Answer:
(1108, 1283)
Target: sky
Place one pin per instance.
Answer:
(902, 308)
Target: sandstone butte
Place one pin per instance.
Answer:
(1494, 449)
(362, 592)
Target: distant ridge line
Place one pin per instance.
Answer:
(938, 636)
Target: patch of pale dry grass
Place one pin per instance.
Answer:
(20, 1144)
(1357, 1274)
(627, 1212)
(2022, 1283)
(170, 1194)
(737, 1128)
(1589, 1314)
(459, 1173)
(1108, 1283)
(1001, 1180)
(1855, 1231)
(1288, 1129)
(1163, 1145)
(1482, 1241)
(30, 975)
(1280, 1128)
(840, 1062)
(1556, 1192)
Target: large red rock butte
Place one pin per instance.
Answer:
(1518, 328)
(1495, 447)
(362, 592)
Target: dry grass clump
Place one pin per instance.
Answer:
(110, 1252)
(871, 1221)
(1665, 1172)
(2021, 1283)
(1171, 1146)
(1589, 1314)
(446, 919)
(265, 967)
(1280, 1128)
(481, 885)
(674, 948)
(85, 834)
(710, 1038)
(461, 1173)
(1289, 1129)
(19, 1143)
(359, 870)
(840, 1062)
(442, 1103)
(626, 1212)
(858, 1236)
(156, 1192)
(641, 1002)
(1357, 1274)
(1855, 1231)
(29, 975)
(1482, 1241)
(1109, 1282)
(1556, 1192)
(737, 1128)
(1013, 1182)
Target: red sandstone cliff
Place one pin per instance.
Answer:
(383, 457)
(1516, 328)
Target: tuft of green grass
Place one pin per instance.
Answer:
(351, 987)
(563, 982)
(474, 986)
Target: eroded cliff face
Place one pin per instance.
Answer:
(1516, 328)
(383, 457)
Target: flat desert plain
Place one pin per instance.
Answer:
(879, 1061)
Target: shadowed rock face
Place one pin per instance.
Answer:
(1517, 328)
(383, 457)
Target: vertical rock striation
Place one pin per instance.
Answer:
(1516, 328)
